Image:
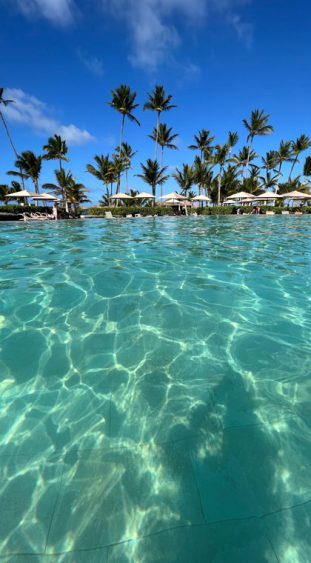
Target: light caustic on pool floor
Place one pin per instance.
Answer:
(155, 390)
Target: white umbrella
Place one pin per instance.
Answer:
(144, 195)
(22, 193)
(177, 202)
(121, 196)
(240, 195)
(201, 198)
(268, 195)
(296, 195)
(173, 195)
(45, 197)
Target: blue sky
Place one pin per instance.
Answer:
(219, 59)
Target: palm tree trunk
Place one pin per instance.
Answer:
(121, 133)
(12, 145)
(126, 180)
(248, 155)
(157, 136)
(219, 187)
(292, 168)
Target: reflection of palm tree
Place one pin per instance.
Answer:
(56, 149)
(153, 174)
(5, 103)
(123, 101)
(257, 126)
(158, 101)
(184, 178)
(301, 144)
(30, 166)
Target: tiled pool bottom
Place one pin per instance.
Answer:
(155, 391)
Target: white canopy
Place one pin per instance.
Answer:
(201, 198)
(268, 195)
(177, 202)
(173, 195)
(296, 195)
(45, 197)
(22, 193)
(121, 196)
(144, 195)
(240, 195)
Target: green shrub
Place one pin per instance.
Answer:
(18, 209)
(221, 210)
(130, 210)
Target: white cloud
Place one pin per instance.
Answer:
(28, 110)
(93, 64)
(155, 37)
(60, 12)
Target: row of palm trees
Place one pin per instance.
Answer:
(216, 170)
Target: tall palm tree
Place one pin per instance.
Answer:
(30, 166)
(117, 167)
(203, 143)
(101, 170)
(165, 138)
(269, 181)
(153, 174)
(126, 154)
(257, 126)
(220, 158)
(4, 103)
(307, 168)
(184, 178)
(301, 144)
(123, 101)
(56, 149)
(158, 101)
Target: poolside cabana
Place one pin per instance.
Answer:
(173, 195)
(240, 196)
(120, 196)
(45, 197)
(201, 198)
(144, 195)
(296, 196)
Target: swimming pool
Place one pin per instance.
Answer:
(155, 390)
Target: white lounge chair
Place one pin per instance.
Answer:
(270, 213)
(108, 215)
(285, 212)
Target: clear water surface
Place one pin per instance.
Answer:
(155, 392)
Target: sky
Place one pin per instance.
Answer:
(220, 59)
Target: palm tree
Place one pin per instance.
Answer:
(251, 183)
(244, 158)
(76, 195)
(164, 137)
(269, 181)
(270, 161)
(30, 166)
(257, 126)
(123, 101)
(61, 189)
(220, 158)
(153, 174)
(203, 142)
(5, 103)
(203, 176)
(184, 178)
(117, 167)
(56, 149)
(307, 168)
(102, 169)
(158, 101)
(301, 144)
(285, 154)
(126, 154)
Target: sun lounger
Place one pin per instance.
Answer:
(108, 215)
(270, 213)
(129, 216)
(285, 212)
(298, 212)
(137, 215)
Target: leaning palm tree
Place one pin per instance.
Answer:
(56, 149)
(123, 101)
(30, 166)
(101, 170)
(184, 178)
(158, 101)
(164, 137)
(4, 103)
(203, 143)
(257, 126)
(301, 144)
(153, 174)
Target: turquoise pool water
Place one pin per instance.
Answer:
(155, 392)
